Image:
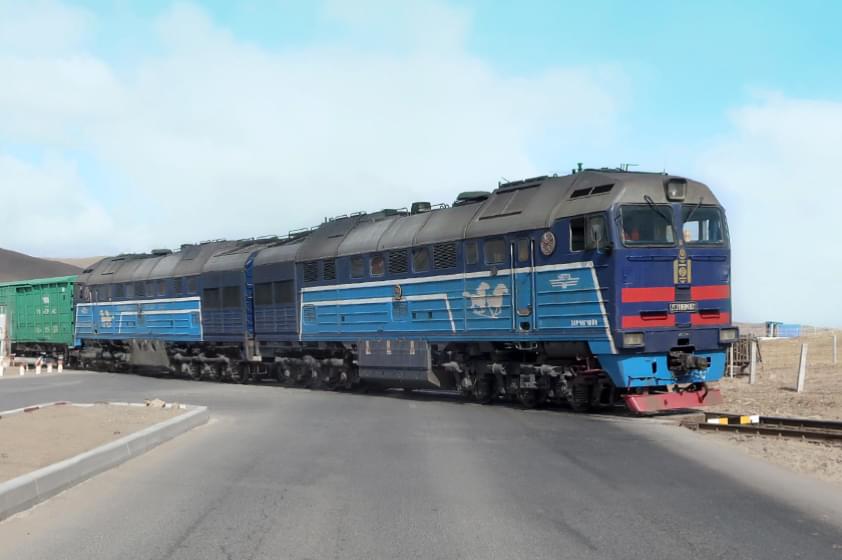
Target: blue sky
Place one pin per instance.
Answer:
(124, 122)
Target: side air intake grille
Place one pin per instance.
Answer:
(444, 255)
(330, 270)
(311, 271)
(399, 261)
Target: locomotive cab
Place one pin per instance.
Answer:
(672, 306)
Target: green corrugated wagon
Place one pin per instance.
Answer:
(40, 314)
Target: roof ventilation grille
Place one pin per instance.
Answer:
(591, 191)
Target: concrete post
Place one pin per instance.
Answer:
(752, 372)
(802, 369)
(731, 361)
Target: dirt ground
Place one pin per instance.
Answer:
(814, 459)
(31, 440)
(774, 395)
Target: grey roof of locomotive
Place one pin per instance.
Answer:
(189, 260)
(282, 252)
(519, 206)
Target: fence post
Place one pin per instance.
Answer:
(731, 360)
(834, 349)
(802, 369)
(752, 372)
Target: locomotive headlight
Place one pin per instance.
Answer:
(728, 335)
(676, 190)
(547, 243)
(633, 339)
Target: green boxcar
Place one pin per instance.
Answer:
(40, 312)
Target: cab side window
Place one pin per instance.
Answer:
(421, 259)
(588, 233)
(495, 251)
(577, 234)
(357, 267)
(471, 252)
(523, 250)
(378, 265)
(596, 233)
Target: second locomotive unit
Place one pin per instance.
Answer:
(585, 288)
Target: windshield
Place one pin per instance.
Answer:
(703, 225)
(647, 225)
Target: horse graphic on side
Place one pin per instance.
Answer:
(484, 304)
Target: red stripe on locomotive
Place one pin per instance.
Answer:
(648, 320)
(710, 318)
(636, 295)
(722, 291)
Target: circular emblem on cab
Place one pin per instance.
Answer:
(547, 243)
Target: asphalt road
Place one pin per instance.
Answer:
(283, 473)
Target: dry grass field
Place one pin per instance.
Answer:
(774, 395)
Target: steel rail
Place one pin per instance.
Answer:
(794, 428)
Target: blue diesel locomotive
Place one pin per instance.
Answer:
(586, 288)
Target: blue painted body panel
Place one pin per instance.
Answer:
(172, 319)
(472, 306)
(273, 320)
(223, 324)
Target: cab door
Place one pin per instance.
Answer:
(523, 281)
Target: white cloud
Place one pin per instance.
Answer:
(216, 137)
(49, 206)
(776, 173)
(40, 26)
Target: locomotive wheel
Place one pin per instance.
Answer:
(484, 389)
(193, 371)
(531, 398)
(289, 378)
(580, 399)
(313, 380)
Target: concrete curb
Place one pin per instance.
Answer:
(29, 489)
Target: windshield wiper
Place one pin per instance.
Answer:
(693, 211)
(665, 217)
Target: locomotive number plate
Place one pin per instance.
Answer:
(684, 307)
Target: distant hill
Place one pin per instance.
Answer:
(83, 262)
(17, 266)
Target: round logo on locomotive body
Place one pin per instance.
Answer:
(397, 292)
(547, 243)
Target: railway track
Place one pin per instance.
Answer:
(775, 426)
